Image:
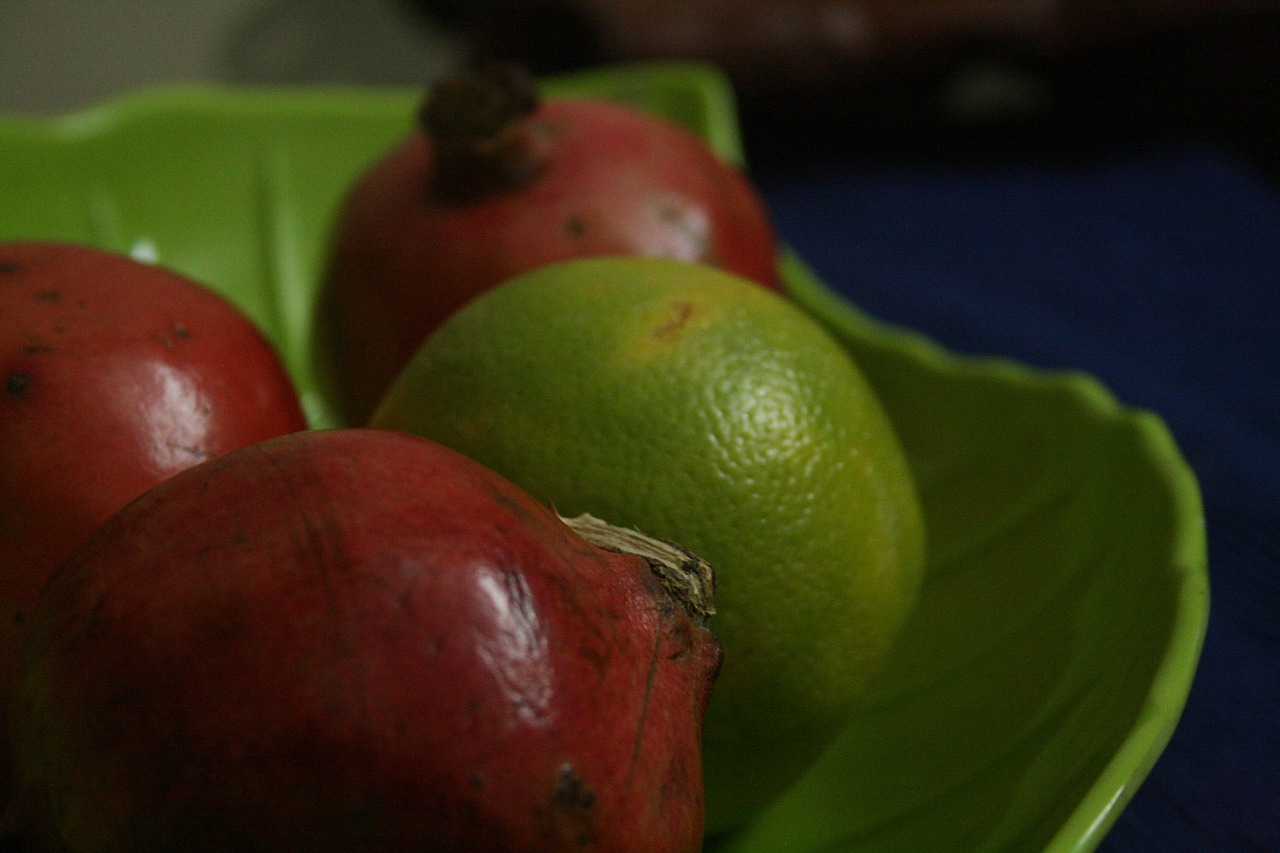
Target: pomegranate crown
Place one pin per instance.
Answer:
(478, 125)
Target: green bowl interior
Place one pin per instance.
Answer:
(1066, 601)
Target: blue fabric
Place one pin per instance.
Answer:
(1158, 271)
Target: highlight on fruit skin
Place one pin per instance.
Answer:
(368, 642)
(114, 375)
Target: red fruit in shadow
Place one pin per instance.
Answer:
(114, 375)
(358, 640)
(496, 183)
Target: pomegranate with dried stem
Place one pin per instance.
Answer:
(349, 640)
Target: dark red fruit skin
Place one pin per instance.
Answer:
(406, 253)
(364, 641)
(114, 375)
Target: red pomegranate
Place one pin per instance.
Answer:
(497, 182)
(114, 375)
(349, 640)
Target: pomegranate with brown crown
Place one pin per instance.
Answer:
(497, 181)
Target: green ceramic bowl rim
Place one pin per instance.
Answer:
(1098, 809)
(714, 96)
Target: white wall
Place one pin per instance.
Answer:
(57, 55)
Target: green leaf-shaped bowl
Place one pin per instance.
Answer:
(1066, 602)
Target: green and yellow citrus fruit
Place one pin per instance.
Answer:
(694, 406)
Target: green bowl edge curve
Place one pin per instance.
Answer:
(1102, 804)
(694, 93)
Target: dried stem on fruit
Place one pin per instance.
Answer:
(685, 576)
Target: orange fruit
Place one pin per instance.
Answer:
(698, 407)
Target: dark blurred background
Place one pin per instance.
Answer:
(930, 78)
(815, 78)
